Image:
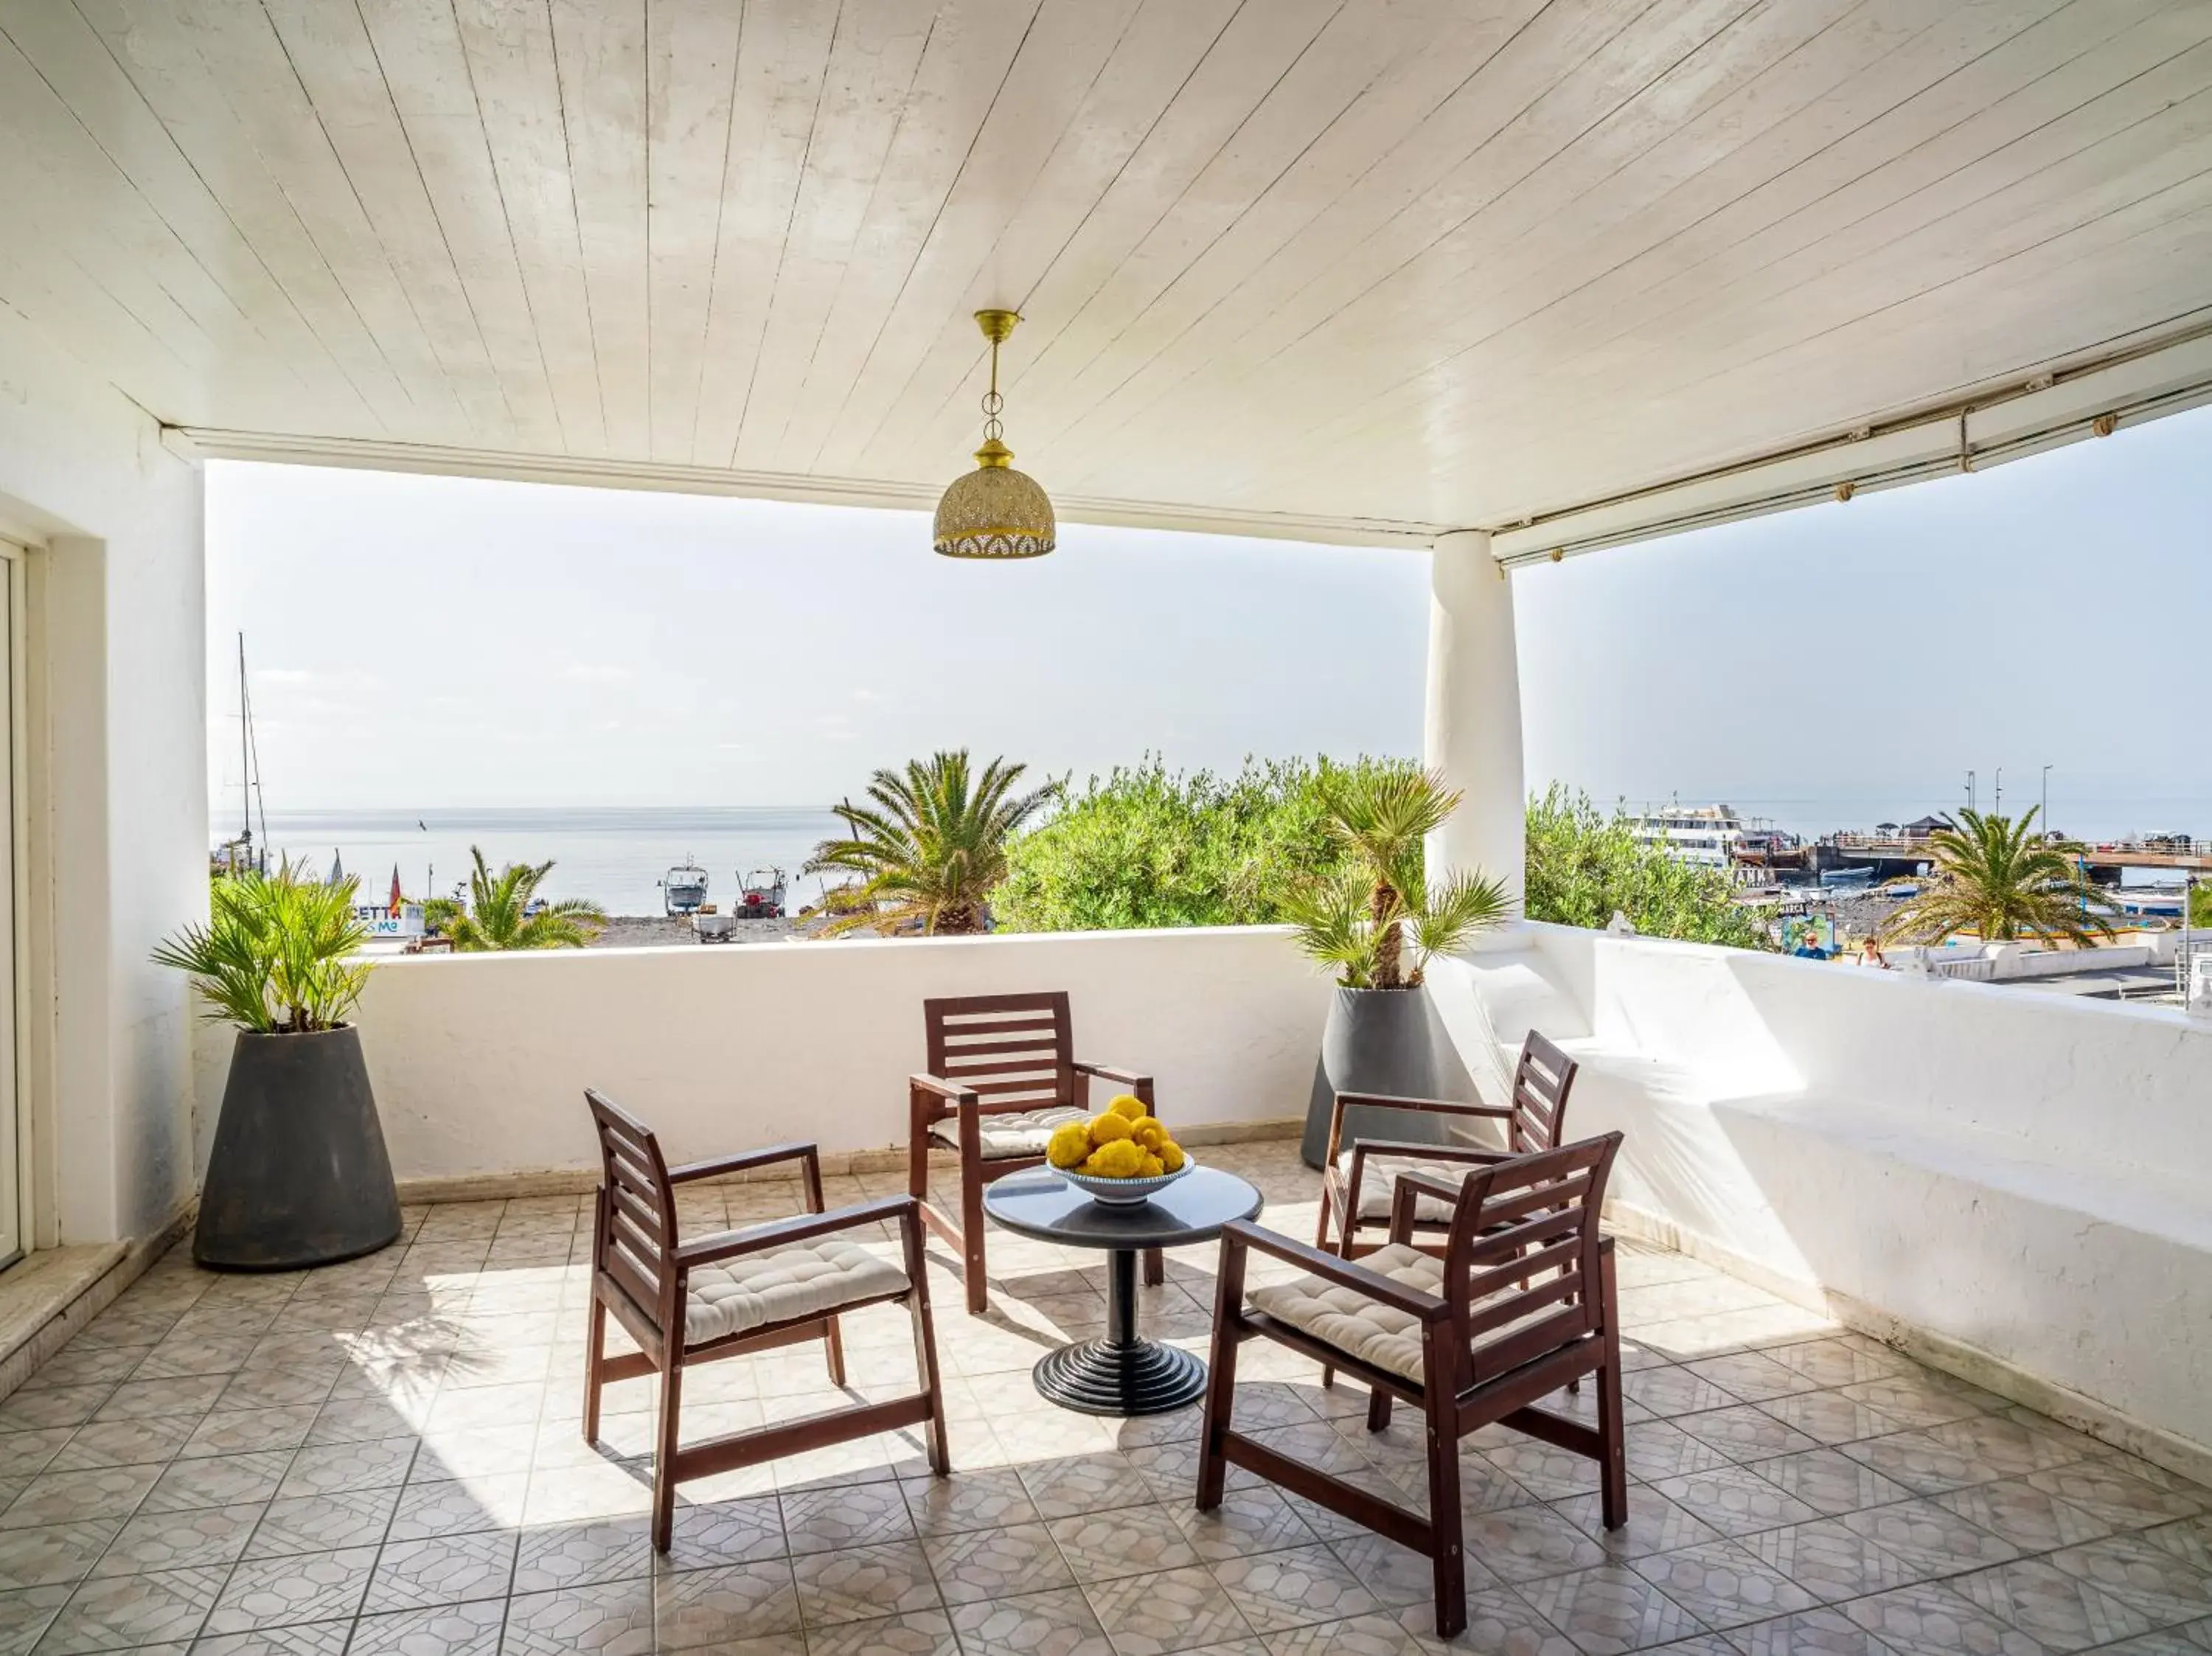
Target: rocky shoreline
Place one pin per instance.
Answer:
(674, 932)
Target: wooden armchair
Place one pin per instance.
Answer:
(1358, 1178)
(1002, 1074)
(1521, 1303)
(739, 1291)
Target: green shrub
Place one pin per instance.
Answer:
(1584, 865)
(1147, 847)
(278, 955)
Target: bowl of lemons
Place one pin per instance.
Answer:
(1119, 1156)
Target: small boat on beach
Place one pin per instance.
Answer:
(760, 895)
(683, 889)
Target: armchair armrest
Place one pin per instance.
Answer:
(1130, 1079)
(1347, 1273)
(1405, 1192)
(951, 1092)
(744, 1160)
(1473, 1155)
(755, 1239)
(1426, 1105)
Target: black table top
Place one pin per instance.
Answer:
(1043, 1204)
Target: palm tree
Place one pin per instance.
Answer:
(932, 846)
(499, 917)
(1361, 919)
(1994, 877)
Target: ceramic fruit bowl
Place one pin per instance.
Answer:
(1122, 1192)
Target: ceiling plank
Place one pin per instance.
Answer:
(511, 61)
(600, 52)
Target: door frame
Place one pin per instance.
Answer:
(15, 560)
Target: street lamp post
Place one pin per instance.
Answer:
(2043, 814)
(1997, 809)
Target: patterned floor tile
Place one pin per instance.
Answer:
(378, 1464)
(472, 1629)
(123, 1610)
(1248, 1521)
(1751, 1376)
(1930, 1620)
(1843, 1360)
(1499, 1623)
(1832, 1561)
(72, 1497)
(2025, 1516)
(2165, 1573)
(725, 1607)
(224, 1481)
(845, 1515)
(613, 1618)
(1810, 1633)
(923, 1632)
(53, 1553)
(316, 1523)
(1059, 1623)
(301, 1639)
(1087, 1483)
(167, 1541)
(1724, 1584)
(2060, 1611)
(1735, 1500)
(1608, 1610)
(1524, 1543)
(1829, 1417)
(456, 1505)
(1922, 1397)
(583, 1555)
(864, 1583)
(1744, 1432)
(1655, 1524)
(1122, 1541)
(2121, 1499)
(447, 1569)
(1660, 1449)
(976, 1564)
(1299, 1585)
(743, 1530)
(1183, 1609)
(1669, 1390)
(1830, 1482)
(1927, 1537)
(985, 1500)
(110, 1443)
(315, 1586)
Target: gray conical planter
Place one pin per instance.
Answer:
(1383, 1040)
(299, 1175)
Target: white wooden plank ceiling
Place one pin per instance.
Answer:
(1419, 261)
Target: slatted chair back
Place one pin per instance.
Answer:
(1521, 1268)
(1541, 1081)
(636, 1229)
(1017, 1051)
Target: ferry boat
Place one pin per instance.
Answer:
(1706, 836)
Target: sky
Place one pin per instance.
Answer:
(421, 642)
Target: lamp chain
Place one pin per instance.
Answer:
(991, 401)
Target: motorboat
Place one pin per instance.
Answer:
(683, 889)
(760, 895)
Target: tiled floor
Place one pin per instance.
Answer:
(384, 1456)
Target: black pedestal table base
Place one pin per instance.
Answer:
(1121, 1374)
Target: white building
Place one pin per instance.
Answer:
(1485, 285)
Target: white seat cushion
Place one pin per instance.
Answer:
(1352, 1323)
(1018, 1133)
(805, 1279)
(1379, 1178)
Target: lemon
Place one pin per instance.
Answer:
(1171, 1156)
(1151, 1168)
(1127, 1106)
(1107, 1128)
(1148, 1132)
(1071, 1143)
(1119, 1159)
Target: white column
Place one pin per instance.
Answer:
(1473, 733)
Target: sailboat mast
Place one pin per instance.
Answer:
(245, 756)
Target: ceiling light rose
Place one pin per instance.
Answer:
(995, 511)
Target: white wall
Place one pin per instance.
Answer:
(117, 772)
(480, 1060)
(2028, 1176)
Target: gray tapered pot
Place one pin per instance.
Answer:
(1383, 1040)
(299, 1174)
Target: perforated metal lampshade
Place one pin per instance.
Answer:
(995, 511)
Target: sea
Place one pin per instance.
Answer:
(615, 856)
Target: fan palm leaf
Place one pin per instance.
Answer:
(499, 917)
(1993, 877)
(278, 954)
(929, 844)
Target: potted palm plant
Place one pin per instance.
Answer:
(299, 1174)
(1377, 922)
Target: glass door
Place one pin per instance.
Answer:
(11, 713)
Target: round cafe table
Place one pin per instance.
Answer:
(1120, 1372)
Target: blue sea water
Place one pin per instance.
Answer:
(614, 855)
